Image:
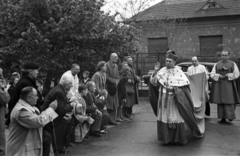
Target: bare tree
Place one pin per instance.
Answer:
(168, 25)
(129, 8)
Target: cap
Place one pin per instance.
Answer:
(171, 54)
(30, 65)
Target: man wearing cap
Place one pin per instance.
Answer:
(29, 75)
(28, 79)
(174, 107)
(224, 89)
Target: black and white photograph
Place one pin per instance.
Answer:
(119, 78)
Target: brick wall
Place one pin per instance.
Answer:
(186, 40)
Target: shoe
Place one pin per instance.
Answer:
(119, 120)
(113, 123)
(230, 120)
(166, 144)
(64, 150)
(72, 144)
(223, 121)
(96, 134)
(127, 116)
(103, 132)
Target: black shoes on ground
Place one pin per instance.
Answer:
(95, 133)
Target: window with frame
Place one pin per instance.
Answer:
(210, 45)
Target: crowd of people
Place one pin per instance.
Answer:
(71, 112)
(76, 108)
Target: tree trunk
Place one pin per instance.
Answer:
(47, 84)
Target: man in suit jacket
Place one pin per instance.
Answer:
(92, 110)
(112, 75)
(62, 122)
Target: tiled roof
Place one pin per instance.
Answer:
(189, 9)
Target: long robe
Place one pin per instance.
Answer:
(224, 90)
(175, 107)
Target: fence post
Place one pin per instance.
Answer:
(138, 72)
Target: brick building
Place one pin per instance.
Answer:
(208, 26)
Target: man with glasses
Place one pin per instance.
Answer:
(25, 132)
(224, 90)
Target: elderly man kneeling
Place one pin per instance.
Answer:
(25, 134)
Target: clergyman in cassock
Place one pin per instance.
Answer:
(224, 88)
(174, 107)
(195, 69)
(25, 132)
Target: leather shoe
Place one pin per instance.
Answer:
(119, 120)
(96, 134)
(113, 123)
(103, 132)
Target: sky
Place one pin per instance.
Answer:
(117, 5)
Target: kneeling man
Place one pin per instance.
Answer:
(25, 133)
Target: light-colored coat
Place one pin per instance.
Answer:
(112, 74)
(25, 134)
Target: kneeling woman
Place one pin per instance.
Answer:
(175, 107)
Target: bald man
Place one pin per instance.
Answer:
(112, 75)
(196, 67)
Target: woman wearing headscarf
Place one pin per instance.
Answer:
(126, 100)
